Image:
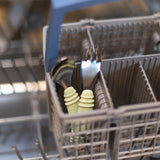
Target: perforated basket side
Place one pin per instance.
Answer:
(78, 135)
(103, 99)
(127, 82)
(118, 37)
(55, 119)
(152, 68)
(137, 132)
(126, 38)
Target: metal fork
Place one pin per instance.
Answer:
(91, 63)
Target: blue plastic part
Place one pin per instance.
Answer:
(58, 9)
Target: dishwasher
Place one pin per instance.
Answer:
(124, 122)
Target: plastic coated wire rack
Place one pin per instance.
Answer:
(18, 70)
(20, 76)
(125, 121)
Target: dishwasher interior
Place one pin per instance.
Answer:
(23, 97)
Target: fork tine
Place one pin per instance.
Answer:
(93, 55)
(97, 49)
(90, 50)
(100, 55)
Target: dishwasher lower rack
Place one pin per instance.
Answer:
(23, 116)
(129, 130)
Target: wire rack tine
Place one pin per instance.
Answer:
(17, 152)
(41, 149)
